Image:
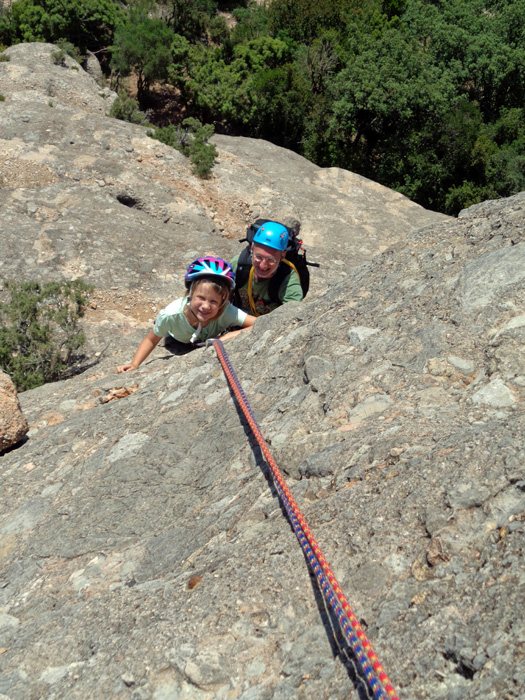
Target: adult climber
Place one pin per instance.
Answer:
(265, 279)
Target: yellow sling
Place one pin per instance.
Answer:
(250, 285)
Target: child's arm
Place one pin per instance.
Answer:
(248, 323)
(143, 350)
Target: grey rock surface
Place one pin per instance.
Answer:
(79, 190)
(144, 553)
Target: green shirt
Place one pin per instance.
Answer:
(172, 321)
(290, 290)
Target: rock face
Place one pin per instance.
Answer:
(86, 195)
(144, 553)
(13, 425)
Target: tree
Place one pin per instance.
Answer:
(320, 60)
(189, 18)
(281, 105)
(304, 20)
(220, 90)
(142, 45)
(482, 43)
(251, 23)
(87, 24)
(383, 93)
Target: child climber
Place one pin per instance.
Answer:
(203, 314)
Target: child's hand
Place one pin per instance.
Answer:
(125, 368)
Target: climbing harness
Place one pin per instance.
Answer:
(250, 285)
(377, 679)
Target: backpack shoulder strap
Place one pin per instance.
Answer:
(244, 264)
(282, 272)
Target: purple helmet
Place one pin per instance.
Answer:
(210, 267)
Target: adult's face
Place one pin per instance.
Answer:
(265, 261)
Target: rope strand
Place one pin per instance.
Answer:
(353, 632)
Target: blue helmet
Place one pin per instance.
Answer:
(273, 235)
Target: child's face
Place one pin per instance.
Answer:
(205, 302)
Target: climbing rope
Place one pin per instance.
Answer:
(353, 632)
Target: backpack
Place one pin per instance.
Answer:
(295, 254)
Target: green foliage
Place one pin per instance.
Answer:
(424, 96)
(320, 60)
(252, 23)
(68, 48)
(40, 336)
(202, 154)
(505, 169)
(393, 8)
(189, 18)
(218, 29)
(59, 58)
(465, 195)
(224, 90)
(4, 57)
(192, 141)
(127, 109)
(282, 102)
(304, 20)
(2, 98)
(142, 45)
(412, 100)
(173, 136)
(389, 88)
(87, 24)
(482, 44)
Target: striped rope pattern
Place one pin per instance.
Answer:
(352, 630)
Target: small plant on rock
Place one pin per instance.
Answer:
(127, 109)
(70, 49)
(40, 335)
(65, 48)
(192, 141)
(59, 58)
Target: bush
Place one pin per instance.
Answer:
(70, 49)
(127, 109)
(59, 58)
(40, 337)
(192, 141)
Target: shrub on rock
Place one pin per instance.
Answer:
(40, 336)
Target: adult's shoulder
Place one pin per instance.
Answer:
(290, 288)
